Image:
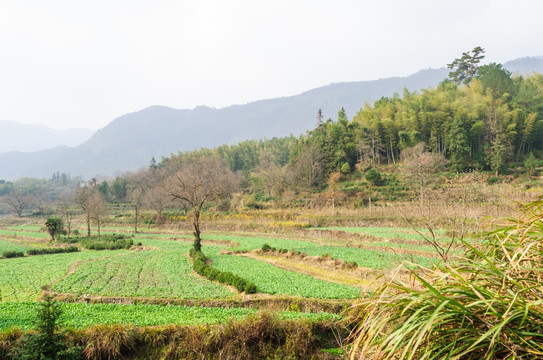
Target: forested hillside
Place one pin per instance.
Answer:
(130, 141)
(494, 120)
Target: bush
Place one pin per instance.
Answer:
(373, 177)
(268, 248)
(12, 254)
(493, 180)
(106, 242)
(48, 251)
(54, 226)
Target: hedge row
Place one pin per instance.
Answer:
(199, 261)
(105, 242)
(48, 251)
(42, 251)
(12, 254)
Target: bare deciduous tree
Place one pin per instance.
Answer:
(41, 201)
(65, 205)
(91, 201)
(18, 201)
(197, 181)
(308, 167)
(98, 209)
(157, 198)
(419, 164)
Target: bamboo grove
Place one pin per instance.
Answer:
(494, 120)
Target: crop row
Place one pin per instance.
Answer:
(23, 278)
(32, 234)
(78, 315)
(160, 274)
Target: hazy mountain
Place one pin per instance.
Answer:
(525, 66)
(23, 137)
(131, 140)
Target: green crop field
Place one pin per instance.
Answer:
(162, 269)
(22, 278)
(24, 232)
(154, 274)
(79, 315)
(272, 280)
(11, 246)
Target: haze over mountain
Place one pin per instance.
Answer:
(33, 137)
(131, 140)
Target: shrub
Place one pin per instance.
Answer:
(373, 177)
(493, 180)
(12, 254)
(54, 226)
(48, 251)
(107, 242)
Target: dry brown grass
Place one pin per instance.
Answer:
(262, 336)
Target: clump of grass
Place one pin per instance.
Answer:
(488, 305)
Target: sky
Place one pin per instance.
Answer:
(80, 64)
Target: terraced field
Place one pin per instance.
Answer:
(161, 269)
(151, 273)
(23, 278)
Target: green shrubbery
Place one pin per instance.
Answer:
(104, 242)
(224, 277)
(48, 251)
(40, 251)
(12, 254)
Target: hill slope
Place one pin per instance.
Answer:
(130, 141)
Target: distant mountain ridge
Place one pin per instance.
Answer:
(34, 137)
(131, 140)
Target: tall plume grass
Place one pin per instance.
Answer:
(485, 305)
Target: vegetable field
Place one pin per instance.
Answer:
(80, 315)
(159, 268)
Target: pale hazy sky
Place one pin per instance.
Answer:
(72, 63)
